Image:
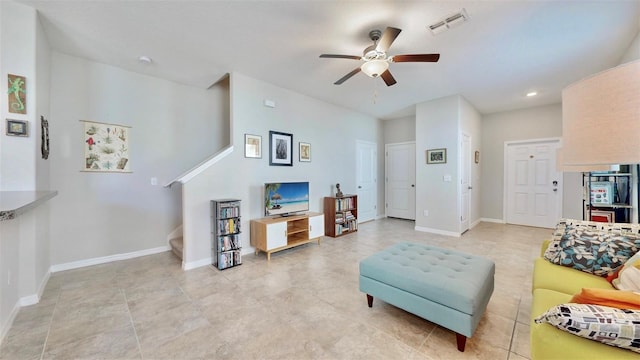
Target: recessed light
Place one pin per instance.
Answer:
(145, 60)
(532, 93)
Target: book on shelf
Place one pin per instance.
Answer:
(228, 210)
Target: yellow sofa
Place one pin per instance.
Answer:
(553, 285)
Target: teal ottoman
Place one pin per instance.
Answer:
(446, 287)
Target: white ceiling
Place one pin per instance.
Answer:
(506, 49)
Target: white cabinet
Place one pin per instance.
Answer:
(276, 235)
(316, 226)
(272, 234)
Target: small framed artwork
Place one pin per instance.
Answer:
(280, 149)
(476, 157)
(17, 128)
(17, 94)
(305, 152)
(252, 146)
(436, 156)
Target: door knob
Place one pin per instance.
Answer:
(470, 187)
(359, 187)
(412, 185)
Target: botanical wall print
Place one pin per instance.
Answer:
(106, 147)
(17, 94)
(280, 149)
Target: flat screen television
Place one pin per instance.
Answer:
(286, 198)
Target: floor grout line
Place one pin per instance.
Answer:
(53, 313)
(133, 325)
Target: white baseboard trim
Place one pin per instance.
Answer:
(436, 231)
(497, 221)
(195, 264)
(475, 223)
(107, 259)
(29, 300)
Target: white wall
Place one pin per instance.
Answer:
(633, 52)
(24, 241)
(173, 128)
(17, 154)
(437, 126)
(332, 132)
(399, 130)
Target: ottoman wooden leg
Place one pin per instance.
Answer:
(461, 340)
(370, 300)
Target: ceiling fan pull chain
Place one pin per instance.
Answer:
(375, 91)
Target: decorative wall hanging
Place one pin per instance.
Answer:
(305, 152)
(280, 149)
(17, 94)
(17, 128)
(436, 156)
(44, 147)
(106, 147)
(252, 146)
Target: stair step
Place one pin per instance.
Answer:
(176, 246)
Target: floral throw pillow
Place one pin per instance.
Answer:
(615, 327)
(595, 252)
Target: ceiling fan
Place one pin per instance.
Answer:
(376, 60)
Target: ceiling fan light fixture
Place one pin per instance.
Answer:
(374, 68)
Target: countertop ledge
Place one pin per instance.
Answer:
(15, 203)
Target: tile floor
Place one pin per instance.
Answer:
(304, 304)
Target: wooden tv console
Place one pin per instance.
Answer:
(273, 234)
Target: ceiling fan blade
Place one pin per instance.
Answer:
(416, 58)
(346, 77)
(333, 56)
(388, 78)
(389, 35)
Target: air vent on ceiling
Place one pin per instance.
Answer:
(449, 22)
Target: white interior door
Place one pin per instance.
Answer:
(465, 182)
(400, 176)
(533, 192)
(366, 169)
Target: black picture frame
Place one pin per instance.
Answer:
(280, 149)
(17, 128)
(436, 156)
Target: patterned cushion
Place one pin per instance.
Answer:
(615, 327)
(565, 225)
(595, 252)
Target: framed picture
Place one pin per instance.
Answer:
(17, 128)
(304, 152)
(436, 156)
(477, 156)
(601, 192)
(17, 94)
(106, 147)
(280, 149)
(252, 146)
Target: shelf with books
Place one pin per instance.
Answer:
(610, 196)
(341, 215)
(226, 244)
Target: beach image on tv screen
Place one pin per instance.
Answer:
(284, 198)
